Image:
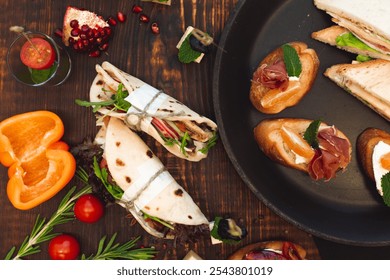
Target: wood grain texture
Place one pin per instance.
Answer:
(213, 182)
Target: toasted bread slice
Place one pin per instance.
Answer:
(269, 136)
(273, 246)
(368, 81)
(366, 142)
(330, 34)
(272, 101)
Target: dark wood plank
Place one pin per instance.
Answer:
(213, 182)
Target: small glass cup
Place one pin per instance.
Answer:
(22, 73)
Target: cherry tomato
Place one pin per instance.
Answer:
(88, 208)
(37, 54)
(64, 247)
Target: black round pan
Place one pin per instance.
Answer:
(346, 209)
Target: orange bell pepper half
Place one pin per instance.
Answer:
(39, 163)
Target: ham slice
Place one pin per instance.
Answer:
(272, 75)
(332, 155)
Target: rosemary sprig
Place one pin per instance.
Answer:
(125, 251)
(42, 230)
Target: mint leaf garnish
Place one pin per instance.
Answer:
(292, 61)
(385, 183)
(311, 132)
(186, 53)
(40, 76)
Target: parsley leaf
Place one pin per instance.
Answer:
(184, 143)
(186, 53)
(311, 134)
(292, 61)
(385, 183)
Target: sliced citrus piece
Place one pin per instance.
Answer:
(39, 164)
(296, 143)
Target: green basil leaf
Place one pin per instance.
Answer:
(40, 76)
(311, 132)
(292, 61)
(385, 183)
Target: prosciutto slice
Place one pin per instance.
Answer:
(272, 75)
(332, 155)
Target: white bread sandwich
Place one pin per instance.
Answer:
(368, 81)
(310, 146)
(180, 130)
(283, 77)
(365, 28)
(373, 147)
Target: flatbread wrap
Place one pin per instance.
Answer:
(150, 194)
(179, 129)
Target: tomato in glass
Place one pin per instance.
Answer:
(88, 208)
(37, 54)
(64, 247)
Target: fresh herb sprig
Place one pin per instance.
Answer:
(102, 174)
(385, 183)
(117, 101)
(211, 143)
(111, 251)
(311, 132)
(146, 216)
(292, 61)
(43, 231)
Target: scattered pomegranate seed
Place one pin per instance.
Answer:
(144, 18)
(155, 28)
(137, 9)
(111, 21)
(58, 32)
(121, 17)
(95, 53)
(103, 47)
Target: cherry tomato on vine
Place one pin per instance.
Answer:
(64, 247)
(88, 208)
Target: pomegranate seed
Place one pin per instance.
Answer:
(99, 40)
(95, 53)
(103, 47)
(58, 32)
(85, 42)
(83, 36)
(111, 21)
(75, 46)
(96, 33)
(121, 17)
(137, 9)
(84, 29)
(74, 23)
(108, 30)
(155, 28)
(144, 18)
(75, 32)
(71, 40)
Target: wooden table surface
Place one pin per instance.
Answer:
(213, 182)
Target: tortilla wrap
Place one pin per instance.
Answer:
(148, 102)
(147, 185)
